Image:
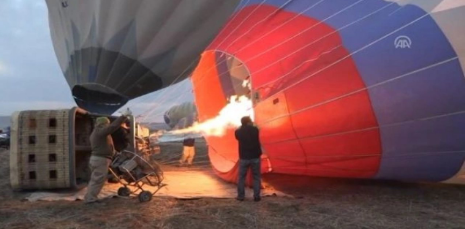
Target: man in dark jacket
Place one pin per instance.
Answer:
(249, 156)
(102, 152)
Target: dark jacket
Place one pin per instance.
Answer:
(101, 141)
(188, 142)
(249, 142)
(121, 139)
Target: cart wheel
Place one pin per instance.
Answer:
(145, 196)
(124, 191)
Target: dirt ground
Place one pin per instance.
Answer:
(320, 203)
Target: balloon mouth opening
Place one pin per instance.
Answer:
(222, 104)
(98, 98)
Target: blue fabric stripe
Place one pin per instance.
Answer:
(423, 150)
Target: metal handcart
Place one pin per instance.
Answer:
(132, 170)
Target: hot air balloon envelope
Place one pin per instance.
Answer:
(111, 51)
(343, 88)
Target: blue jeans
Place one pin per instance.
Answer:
(244, 166)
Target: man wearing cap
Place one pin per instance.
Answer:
(250, 151)
(102, 153)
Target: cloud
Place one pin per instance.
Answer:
(3, 68)
(30, 77)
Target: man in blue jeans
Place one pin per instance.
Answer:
(250, 151)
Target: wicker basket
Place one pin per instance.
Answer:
(42, 149)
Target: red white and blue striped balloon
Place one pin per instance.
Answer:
(344, 88)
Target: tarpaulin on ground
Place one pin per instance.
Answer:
(179, 184)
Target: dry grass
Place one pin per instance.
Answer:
(322, 203)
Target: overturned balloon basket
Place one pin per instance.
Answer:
(134, 172)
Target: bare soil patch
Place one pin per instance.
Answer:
(319, 203)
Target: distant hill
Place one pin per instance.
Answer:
(5, 121)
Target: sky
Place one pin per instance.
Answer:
(30, 76)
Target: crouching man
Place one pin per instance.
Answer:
(102, 153)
